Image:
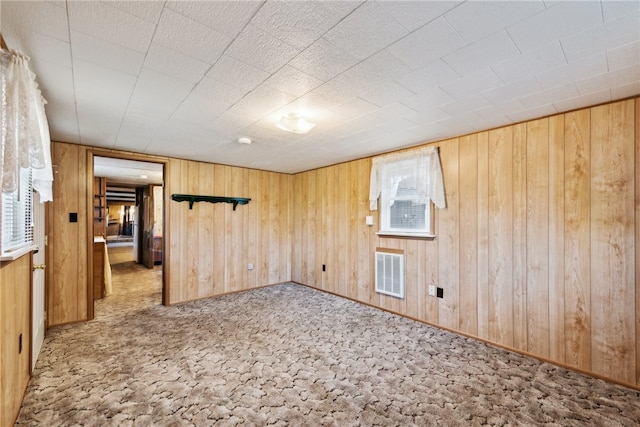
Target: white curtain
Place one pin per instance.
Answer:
(25, 130)
(422, 165)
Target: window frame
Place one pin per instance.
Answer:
(22, 219)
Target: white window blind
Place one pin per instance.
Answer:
(17, 224)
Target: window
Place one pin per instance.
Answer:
(406, 184)
(17, 225)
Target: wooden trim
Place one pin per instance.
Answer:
(3, 44)
(89, 213)
(390, 250)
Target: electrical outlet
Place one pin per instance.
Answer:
(249, 266)
(432, 290)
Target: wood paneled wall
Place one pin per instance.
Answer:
(537, 249)
(15, 313)
(67, 241)
(210, 246)
(207, 249)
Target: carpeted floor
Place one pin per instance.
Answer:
(290, 355)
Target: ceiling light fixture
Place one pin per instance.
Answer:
(294, 123)
(244, 140)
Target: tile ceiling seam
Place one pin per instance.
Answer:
(73, 76)
(155, 29)
(216, 61)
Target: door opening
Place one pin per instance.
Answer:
(128, 213)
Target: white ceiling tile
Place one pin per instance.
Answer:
(137, 132)
(624, 56)
(387, 93)
(209, 99)
(512, 90)
(603, 37)
(19, 18)
(324, 60)
(475, 20)
(625, 91)
(534, 61)
(558, 93)
(108, 23)
(612, 9)
(616, 78)
(158, 95)
(483, 53)
(463, 123)
(414, 14)
(574, 70)
(366, 31)
(98, 124)
(106, 54)
(355, 107)
(429, 115)
(296, 23)
(474, 102)
(150, 11)
(97, 85)
(478, 81)
(190, 37)
(499, 110)
(379, 68)
(427, 44)
(429, 77)
(43, 49)
(261, 49)
(395, 113)
(428, 99)
(292, 81)
(594, 98)
(176, 64)
(226, 17)
(234, 72)
(532, 113)
(557, 22)
(260, 102)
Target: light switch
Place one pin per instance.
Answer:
(368, 220)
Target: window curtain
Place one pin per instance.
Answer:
(422, 165)
(25, 131)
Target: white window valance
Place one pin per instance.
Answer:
(422, 165)
(25, 141)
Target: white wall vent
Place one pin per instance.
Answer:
(390, 273)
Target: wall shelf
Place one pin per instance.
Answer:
(211, 199)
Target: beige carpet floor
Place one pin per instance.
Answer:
(291, 355)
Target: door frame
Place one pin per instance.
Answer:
(164, 161)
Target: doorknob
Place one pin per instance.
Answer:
(39, 267)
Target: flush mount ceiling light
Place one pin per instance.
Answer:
(294, 123)
(244, 140)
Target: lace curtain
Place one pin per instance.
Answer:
(421, 167)
(25, 130)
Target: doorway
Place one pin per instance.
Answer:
(128, 220)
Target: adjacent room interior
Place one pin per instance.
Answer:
(320, 213)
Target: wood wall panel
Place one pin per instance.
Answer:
(536, 251)
(537, 242)
(577, 282)
(211, 245)
(67, 248)
(556, 239)
(15, 292)
(501, 236)
(468, 233)
(612, 241)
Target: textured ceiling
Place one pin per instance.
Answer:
(186, 79)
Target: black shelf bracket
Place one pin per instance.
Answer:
(211, 199)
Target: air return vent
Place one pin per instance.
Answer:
(390, 273)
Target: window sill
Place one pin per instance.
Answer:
(14, 255)
(406, 235)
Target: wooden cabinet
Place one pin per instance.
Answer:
(99, 206)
